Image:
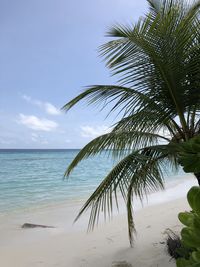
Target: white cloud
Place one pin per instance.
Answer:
(37, 138)
(51, 109)
(92, 132)
(5, 142)
(34, 137)
(36, 123)
(27, 98)
(46, 106)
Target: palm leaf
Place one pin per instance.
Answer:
(147, 56)
(116, 143)
(138, 173)
(129, 101)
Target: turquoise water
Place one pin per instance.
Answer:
(32, 178)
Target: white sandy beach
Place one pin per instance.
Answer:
(71, 246)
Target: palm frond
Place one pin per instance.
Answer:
(154, 6)
(146, 112)
(116, 143)
(139, 172)
(153, 56)
(100, 93)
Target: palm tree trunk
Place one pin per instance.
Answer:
(197, 175)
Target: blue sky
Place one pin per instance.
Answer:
(48, 51)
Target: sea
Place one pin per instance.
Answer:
(35, 178)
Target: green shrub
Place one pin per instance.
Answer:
(189, 155)
(190, 234)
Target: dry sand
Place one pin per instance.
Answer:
(73, 247)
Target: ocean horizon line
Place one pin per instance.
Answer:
(44, 149)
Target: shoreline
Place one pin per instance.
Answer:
(109, 241)
(62, 214)
(186, 181)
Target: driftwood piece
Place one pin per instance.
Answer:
(33, 225)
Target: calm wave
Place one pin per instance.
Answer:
(31, 178)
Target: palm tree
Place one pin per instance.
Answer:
(158, 60)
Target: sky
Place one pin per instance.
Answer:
(48, 52)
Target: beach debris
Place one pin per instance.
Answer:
(173, 244)
(121, 264)
(162, 242)
(33, 225)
